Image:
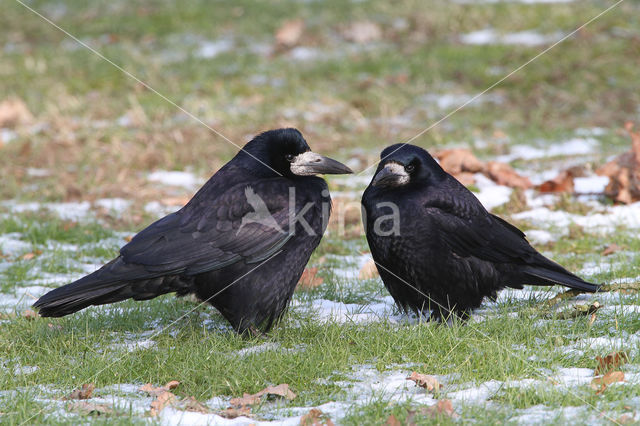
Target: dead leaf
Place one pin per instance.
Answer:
(430, 383)
(392, 421)
(599, 384)
(309, 279)
(290, 32)
(315, 417)
(30, 314)
(561, 183)
(458, 160)
(577, 311)
(155, 391)
(442, 407)
(592, 319)
(175, 201)
(253, 399)
(160, 402)
(232, 413)
(368, 271)
(362, 32)
(86, 408)
(624, 172)
(192, 404)
(503, 174)
(13, 111)
(613, 361)
(611, 248)
(84, 392)
(625, 419)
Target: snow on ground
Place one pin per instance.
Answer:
(568, 148)
(491, 195)
(524, 38)
(176, 178)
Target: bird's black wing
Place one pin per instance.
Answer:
(469, 230)
(209, 234)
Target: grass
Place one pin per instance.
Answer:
(98, 133)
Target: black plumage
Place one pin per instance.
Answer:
(236, 244)
(437, 248)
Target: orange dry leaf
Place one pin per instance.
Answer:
(564, 182)
(30, 314)
(309, 279)
(232, 413)
(153, 391)
(368, 271)
(624, 172)
(83, 392)
(503, 174)
(160, 402)
(175, 201)
(599, 384)
(14, 111)
(252, 399)
(611, 362)
(392, 421)
(192, 404)
(442, 407)
(315, 417)
(86, 408)
(430, 383)
(362, 32)
(611, 248)
(289, 34)
(458, 160)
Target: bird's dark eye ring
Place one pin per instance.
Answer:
(409, 168)
(289, 157)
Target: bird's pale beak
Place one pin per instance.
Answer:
(392, 174)
(309, 164)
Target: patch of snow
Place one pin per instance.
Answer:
(590, 184)
(491, 195)
(7, 135)
(522, 38)
(450, 100)
(512, 1)
(175, 178)
(305, 54)
(265, 347)
(476, 394)
(329, 311)
(115, 205)
(571, 147)
(158, 209)
(34, 172)
(357, 181)
(12, 245)
(539, 236)
(573, 376)
(133, 345)
(211, 48)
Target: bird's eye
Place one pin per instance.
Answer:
(409, 168)
(289, 157)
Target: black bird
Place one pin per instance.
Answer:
(437, 248)
(241, 243)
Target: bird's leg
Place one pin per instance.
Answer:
(255, 332)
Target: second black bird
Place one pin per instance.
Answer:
(241, 243)
(437, 248)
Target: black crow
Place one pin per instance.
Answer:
(437, 248)
(241, 243)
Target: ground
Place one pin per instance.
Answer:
(96, 155)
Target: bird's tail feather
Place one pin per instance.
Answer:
(104, 286)
(544, 276)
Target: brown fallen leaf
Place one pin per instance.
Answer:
(84, 392)
(28, 256)
(504, 174)
(599, 384)
(192, 404)
(610, 249)
(442, 407)
(624, 172)
(232, 413)
(160, 402)
(392, 421)
(458, 160)
(30, 314)
(564, 182)
(253, 399)
(613, 361)
(86, 408)
(315, 417)
(592, 319)
(368, 271)
(577, 311)
(430, 383)
(362, 32)
(625, 419)
(13, 111)
(309, 279)
(290, 32)
(175, 201)
(155, 391)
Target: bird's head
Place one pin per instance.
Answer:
(285, 152)
(404, 165)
